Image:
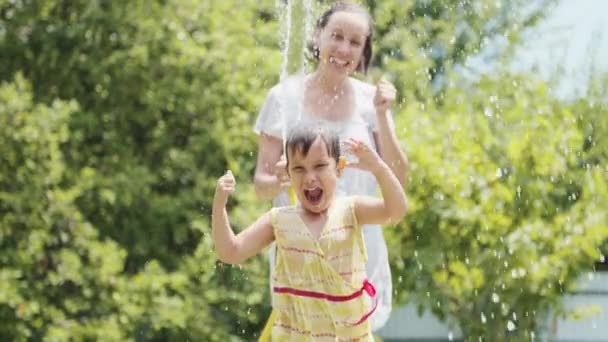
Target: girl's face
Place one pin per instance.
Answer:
(341, 42)
(313, 177)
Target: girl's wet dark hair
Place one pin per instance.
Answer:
(352, 8)
(303, 136)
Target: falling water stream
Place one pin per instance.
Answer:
(295, 27)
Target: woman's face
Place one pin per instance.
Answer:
(341, 42)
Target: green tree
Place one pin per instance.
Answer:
(421, 41)
(506, 211)
(165, 106)
(55, 270)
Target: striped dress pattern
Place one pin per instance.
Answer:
(319, 286)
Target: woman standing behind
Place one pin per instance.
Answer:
(343, 45)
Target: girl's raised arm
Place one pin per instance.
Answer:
(237, 249)
(393, 204)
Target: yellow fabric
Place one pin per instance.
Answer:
(265, 336)
(333, 264)
(292, 196)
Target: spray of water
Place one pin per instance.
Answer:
(295, 25)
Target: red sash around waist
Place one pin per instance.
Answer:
(367, 288)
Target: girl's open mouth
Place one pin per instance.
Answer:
(313, 195)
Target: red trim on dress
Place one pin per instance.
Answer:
(367, 288)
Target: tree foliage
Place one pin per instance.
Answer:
(508, 208)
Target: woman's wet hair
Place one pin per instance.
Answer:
(302, 137)
(351, 8)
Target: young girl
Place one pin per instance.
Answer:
(320, 287)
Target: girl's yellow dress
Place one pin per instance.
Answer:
(320, 288)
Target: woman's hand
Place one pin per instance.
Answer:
(385, 96)
(271, 176)
(280, 171)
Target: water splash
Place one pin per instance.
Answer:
(294, 27)
(510, 325)
(495, 297)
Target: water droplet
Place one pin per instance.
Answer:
(483, 318)
(518, 191)
(495, 297)
(510, 325)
